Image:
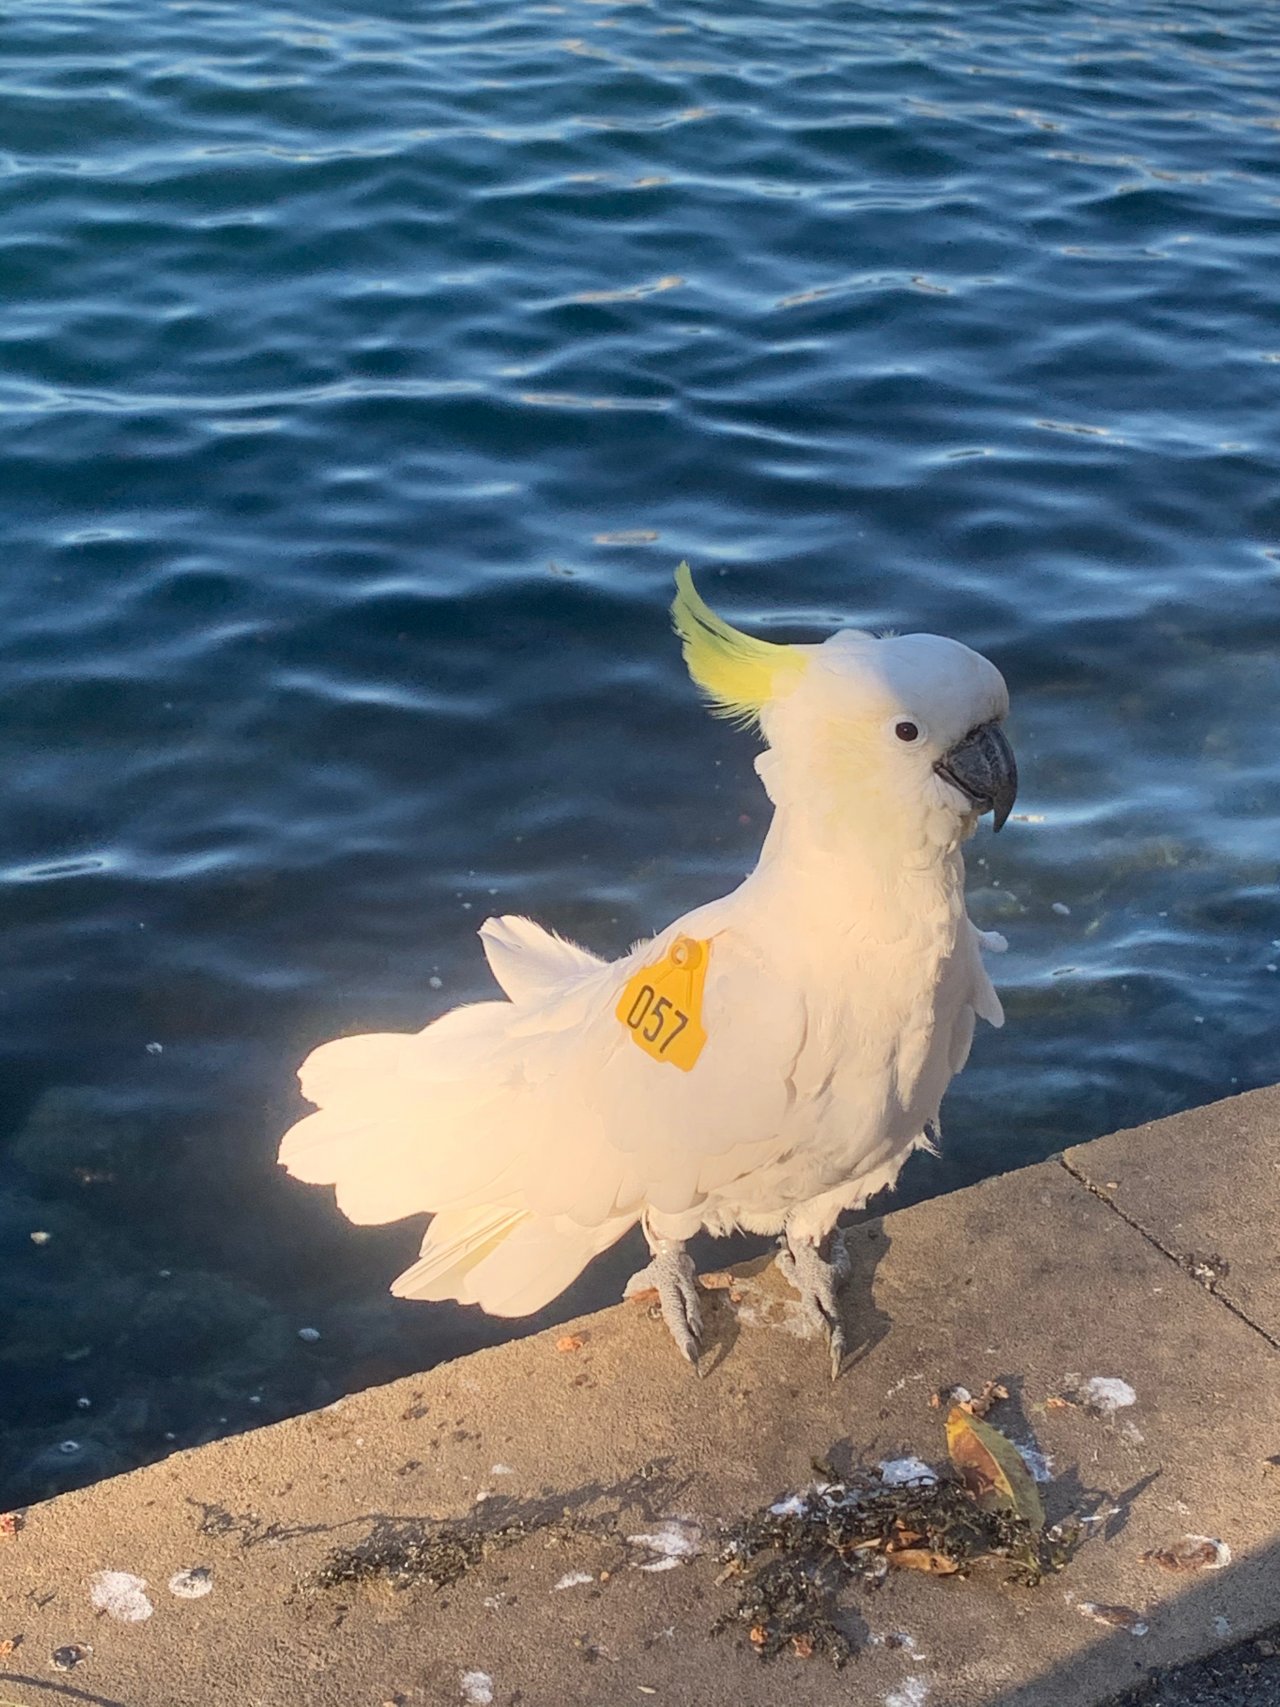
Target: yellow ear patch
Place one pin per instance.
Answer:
(738, 673)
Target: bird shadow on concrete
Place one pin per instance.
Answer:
(248, 1528)
(864, 1246)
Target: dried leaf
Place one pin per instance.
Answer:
(645, 1295)
(570, 1342)
(720, 1280)
(758, 1635)
(8, 1646)
(10, 1524)
(904, 1537)
(1193, 1553)
(1056, 1402)
(921, 1559)
(991, 1467)
(802, 1647)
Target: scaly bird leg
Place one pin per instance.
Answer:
(818, 1282)
(673, 1275)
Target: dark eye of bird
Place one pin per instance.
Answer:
(906, 731)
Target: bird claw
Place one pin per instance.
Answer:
(818, 1282)
(672, 1275)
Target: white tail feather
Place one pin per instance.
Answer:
(507, 1262)
(455, 1242)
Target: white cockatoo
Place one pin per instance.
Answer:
(766, 1062)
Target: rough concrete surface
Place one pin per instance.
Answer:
(1246, 1675)
(623, 1468)
(1204, 1185)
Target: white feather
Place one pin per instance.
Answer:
(528, 961)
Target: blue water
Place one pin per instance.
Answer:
(364, 374)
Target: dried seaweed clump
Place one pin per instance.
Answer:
(404, 1554)
(439, 1555)
(440, 1558)
(797, 1554)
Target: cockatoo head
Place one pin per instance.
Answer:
(903, 730)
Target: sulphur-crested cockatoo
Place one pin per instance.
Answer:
(765, 1062)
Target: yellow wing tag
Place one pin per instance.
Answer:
(662, 1004)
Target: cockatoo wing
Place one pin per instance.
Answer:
(982, 1002)
(537, 1126)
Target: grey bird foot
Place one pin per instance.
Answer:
(673, 1276)
(818, 1282)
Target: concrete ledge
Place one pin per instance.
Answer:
(1043, 1279)
(1203, 1186)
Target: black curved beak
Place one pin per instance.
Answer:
(983, 768)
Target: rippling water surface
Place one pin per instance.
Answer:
(363, 375)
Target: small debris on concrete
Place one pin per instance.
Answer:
(1193, 1553)
(913, 1693)
(1208, 1269)
(1118, 1617)
(477, 1688)
(791, 1506)
(69, 1657)
(10, 1524)
(992, 1392)
(575, 1579)
(670, 1544)
(570, 1342)
(192, 1584)
(120, 1595)
(9, 1646)
(1104, 1395)
(1039, 1463)
(899, 1472)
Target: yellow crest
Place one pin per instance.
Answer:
(738, 673)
